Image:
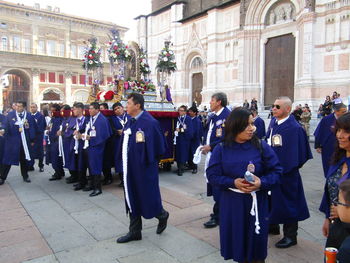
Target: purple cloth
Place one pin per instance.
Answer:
(168, 95)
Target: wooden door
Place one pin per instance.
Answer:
(279, 68)
(197, 86)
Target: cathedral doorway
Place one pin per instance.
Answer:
(279, 68)
(196, 79)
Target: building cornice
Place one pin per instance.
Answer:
(41, 12)
(161, 10)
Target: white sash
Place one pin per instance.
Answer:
(20, 124)
(86, 142)
(253, 210)
(60, 147)
(127, 134)
(76, 139)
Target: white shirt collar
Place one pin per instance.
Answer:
(219, 112)
(282, 120)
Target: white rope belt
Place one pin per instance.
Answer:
(60, 147)
(127, 134)
(24, 143)
(253, 210)
(86, 142)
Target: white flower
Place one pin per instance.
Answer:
(91, 62)
(165, 59)
(164, 52)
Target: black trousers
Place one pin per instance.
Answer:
(289, 230)
(216, 211)
(5, 169)
(82, 173)
(136, 222)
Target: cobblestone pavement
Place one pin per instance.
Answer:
(46, 222)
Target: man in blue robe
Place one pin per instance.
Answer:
(96, 134)
(118, 121)
(182, 139)
(196, 138)
(324, 136)
(142, 147)
(108, 153)
(259, 124)
(289, 141)
(19, 138)
(38, 148)
(80, 159)
(214, 133)
(52, 155)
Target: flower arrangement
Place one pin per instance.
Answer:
(117, 50)
(144, 66)
(105, 95)
(139, 86)
(92, 55)
(166, 59)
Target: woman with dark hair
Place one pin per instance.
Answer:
(245, 169)
(327, 106)
(338, 172)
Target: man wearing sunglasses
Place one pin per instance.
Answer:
(289, 141)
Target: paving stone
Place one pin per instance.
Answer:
(190, 214)
(179, 244)
(23, 251)
(150, 256)
(8, 203)
(19, 235)
(72, 202)
(178, 199)
(99, 223)
(212, 258)
(46, 259)
(197, 230)
(104, 252)
(7, 224)
(59, 229)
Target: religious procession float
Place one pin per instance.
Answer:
(131, 71)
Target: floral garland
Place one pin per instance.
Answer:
(92, 56)
(117, 50)
(139, 86)
(144, 66)
(166, 59)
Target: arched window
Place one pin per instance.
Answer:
(197, 63)
(4, 44)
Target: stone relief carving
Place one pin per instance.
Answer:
(280, 13)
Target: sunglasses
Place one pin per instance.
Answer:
(339, 203)
(276, 106)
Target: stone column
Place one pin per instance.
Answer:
(212, 55)
(35, 86)
(68, 91)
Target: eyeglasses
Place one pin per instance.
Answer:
(276, 106)
(340, 203)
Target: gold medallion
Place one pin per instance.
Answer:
(20, 130)
(140, 136)
(276, 140)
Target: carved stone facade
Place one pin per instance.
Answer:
(44, 48)
(231, 41)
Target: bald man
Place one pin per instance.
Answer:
(289, 141)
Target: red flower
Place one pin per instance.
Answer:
(126, 46)
(109, 95)
(142, 92)
(110, 43)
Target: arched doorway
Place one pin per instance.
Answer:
(18, 87)
(196, 73)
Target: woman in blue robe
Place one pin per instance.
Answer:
(259, 124)
(325, 138)
(338, 172)
(243, 234)
(182, 139)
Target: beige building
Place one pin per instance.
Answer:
(41, 51)
(252, 48)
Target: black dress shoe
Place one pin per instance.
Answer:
(95, 193)
(87, 188)
(78, 187)
(27, 180)
(41, 169)
(30, 169)
(286, 242)
(107, 182)
(2, 181)
(194, 171)
(71, 180)
(211, 223)
(55, 178)
(129, 237)
(163, 222)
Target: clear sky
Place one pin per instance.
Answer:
(120, 12)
